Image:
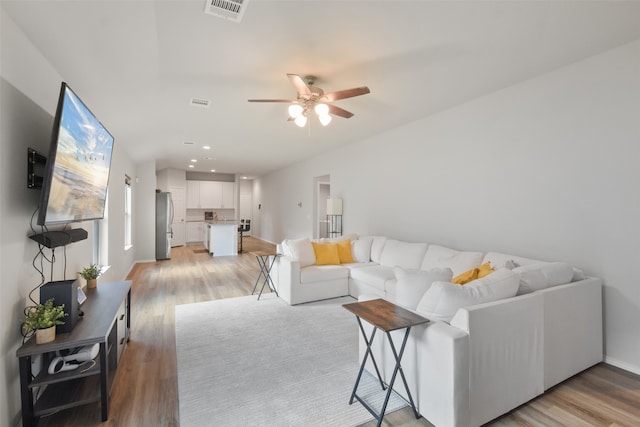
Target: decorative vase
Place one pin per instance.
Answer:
(44, 336)
(92, 283)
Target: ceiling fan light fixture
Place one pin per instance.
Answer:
(322, 109)
(325, 119)
(295, 110)
(301, 120)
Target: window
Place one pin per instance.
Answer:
(101, 238)
(127, 212)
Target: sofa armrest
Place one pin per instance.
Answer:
(572, 330)
(506, 353)
(287, 276)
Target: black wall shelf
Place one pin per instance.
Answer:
(35, 168)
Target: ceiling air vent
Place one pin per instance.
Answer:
(227, 9)
(199, 102)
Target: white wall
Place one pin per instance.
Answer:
(544, 169)
(29, 89)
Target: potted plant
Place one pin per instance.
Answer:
(43, 319)
(91, 274)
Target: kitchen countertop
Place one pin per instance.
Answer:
(218, 222)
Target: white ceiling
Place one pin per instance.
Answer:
(137, 64)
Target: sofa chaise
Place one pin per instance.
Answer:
(494, 343)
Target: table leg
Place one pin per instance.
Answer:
(104, 381)
(26, 394)
(398, 368)
(368, 341)
(266, 267)
(262, 267)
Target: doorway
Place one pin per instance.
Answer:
(178, 226)
(323, 191)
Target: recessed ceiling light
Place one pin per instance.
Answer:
(213, 170)
(194, 160)
(191, 166)
(244, 177)
(206, 147)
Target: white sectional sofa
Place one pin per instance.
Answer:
(492, 345)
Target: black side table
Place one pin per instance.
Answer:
(387, 317)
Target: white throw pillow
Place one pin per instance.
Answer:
(413, 283)
(300, 250)
(457, 261)
(403, 254)
(376, 247)
(443, 299)
(534, 277)
(361, 249)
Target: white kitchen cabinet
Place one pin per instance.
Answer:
(228, 195)
(223, 239)
(193, 195)
(195, 231)
(210, 195)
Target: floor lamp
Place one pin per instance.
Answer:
(334, 217)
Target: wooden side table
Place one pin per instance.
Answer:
(266, 265)
(387, 317)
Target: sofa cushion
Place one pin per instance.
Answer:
(300, 250)
(361, 249)
(534, 277)
(403, 254)
(319, 273)
(375, 275)
(326, 253)
(443, 299)
(499, 260)
(377, 244)
(457, 261)
(413, 283)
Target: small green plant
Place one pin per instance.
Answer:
(43, 316)
(91, 272)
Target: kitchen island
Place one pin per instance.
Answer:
(221, 238)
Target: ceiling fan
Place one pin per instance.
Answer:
(311, 97)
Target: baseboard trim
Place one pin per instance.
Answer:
(622, 365)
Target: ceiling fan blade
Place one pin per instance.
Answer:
(299, 84)
(337, 111)
(347, 93)
(269, 100)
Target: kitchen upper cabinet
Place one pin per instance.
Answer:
(228, 195)
(210, 195)
(193, 194)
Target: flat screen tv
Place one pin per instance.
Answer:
(76, 177)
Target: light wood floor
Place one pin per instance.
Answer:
(145, 391)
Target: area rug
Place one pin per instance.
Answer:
(244, 362)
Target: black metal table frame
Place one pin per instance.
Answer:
(398, 368)
(265, 270)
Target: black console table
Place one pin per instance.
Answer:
(106, 322)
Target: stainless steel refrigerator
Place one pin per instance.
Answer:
(164, 218)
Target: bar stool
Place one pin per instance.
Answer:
(245, 226)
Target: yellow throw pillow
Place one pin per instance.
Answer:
(344, 252)
(485, 270)
(466, 277)
(326, 253)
